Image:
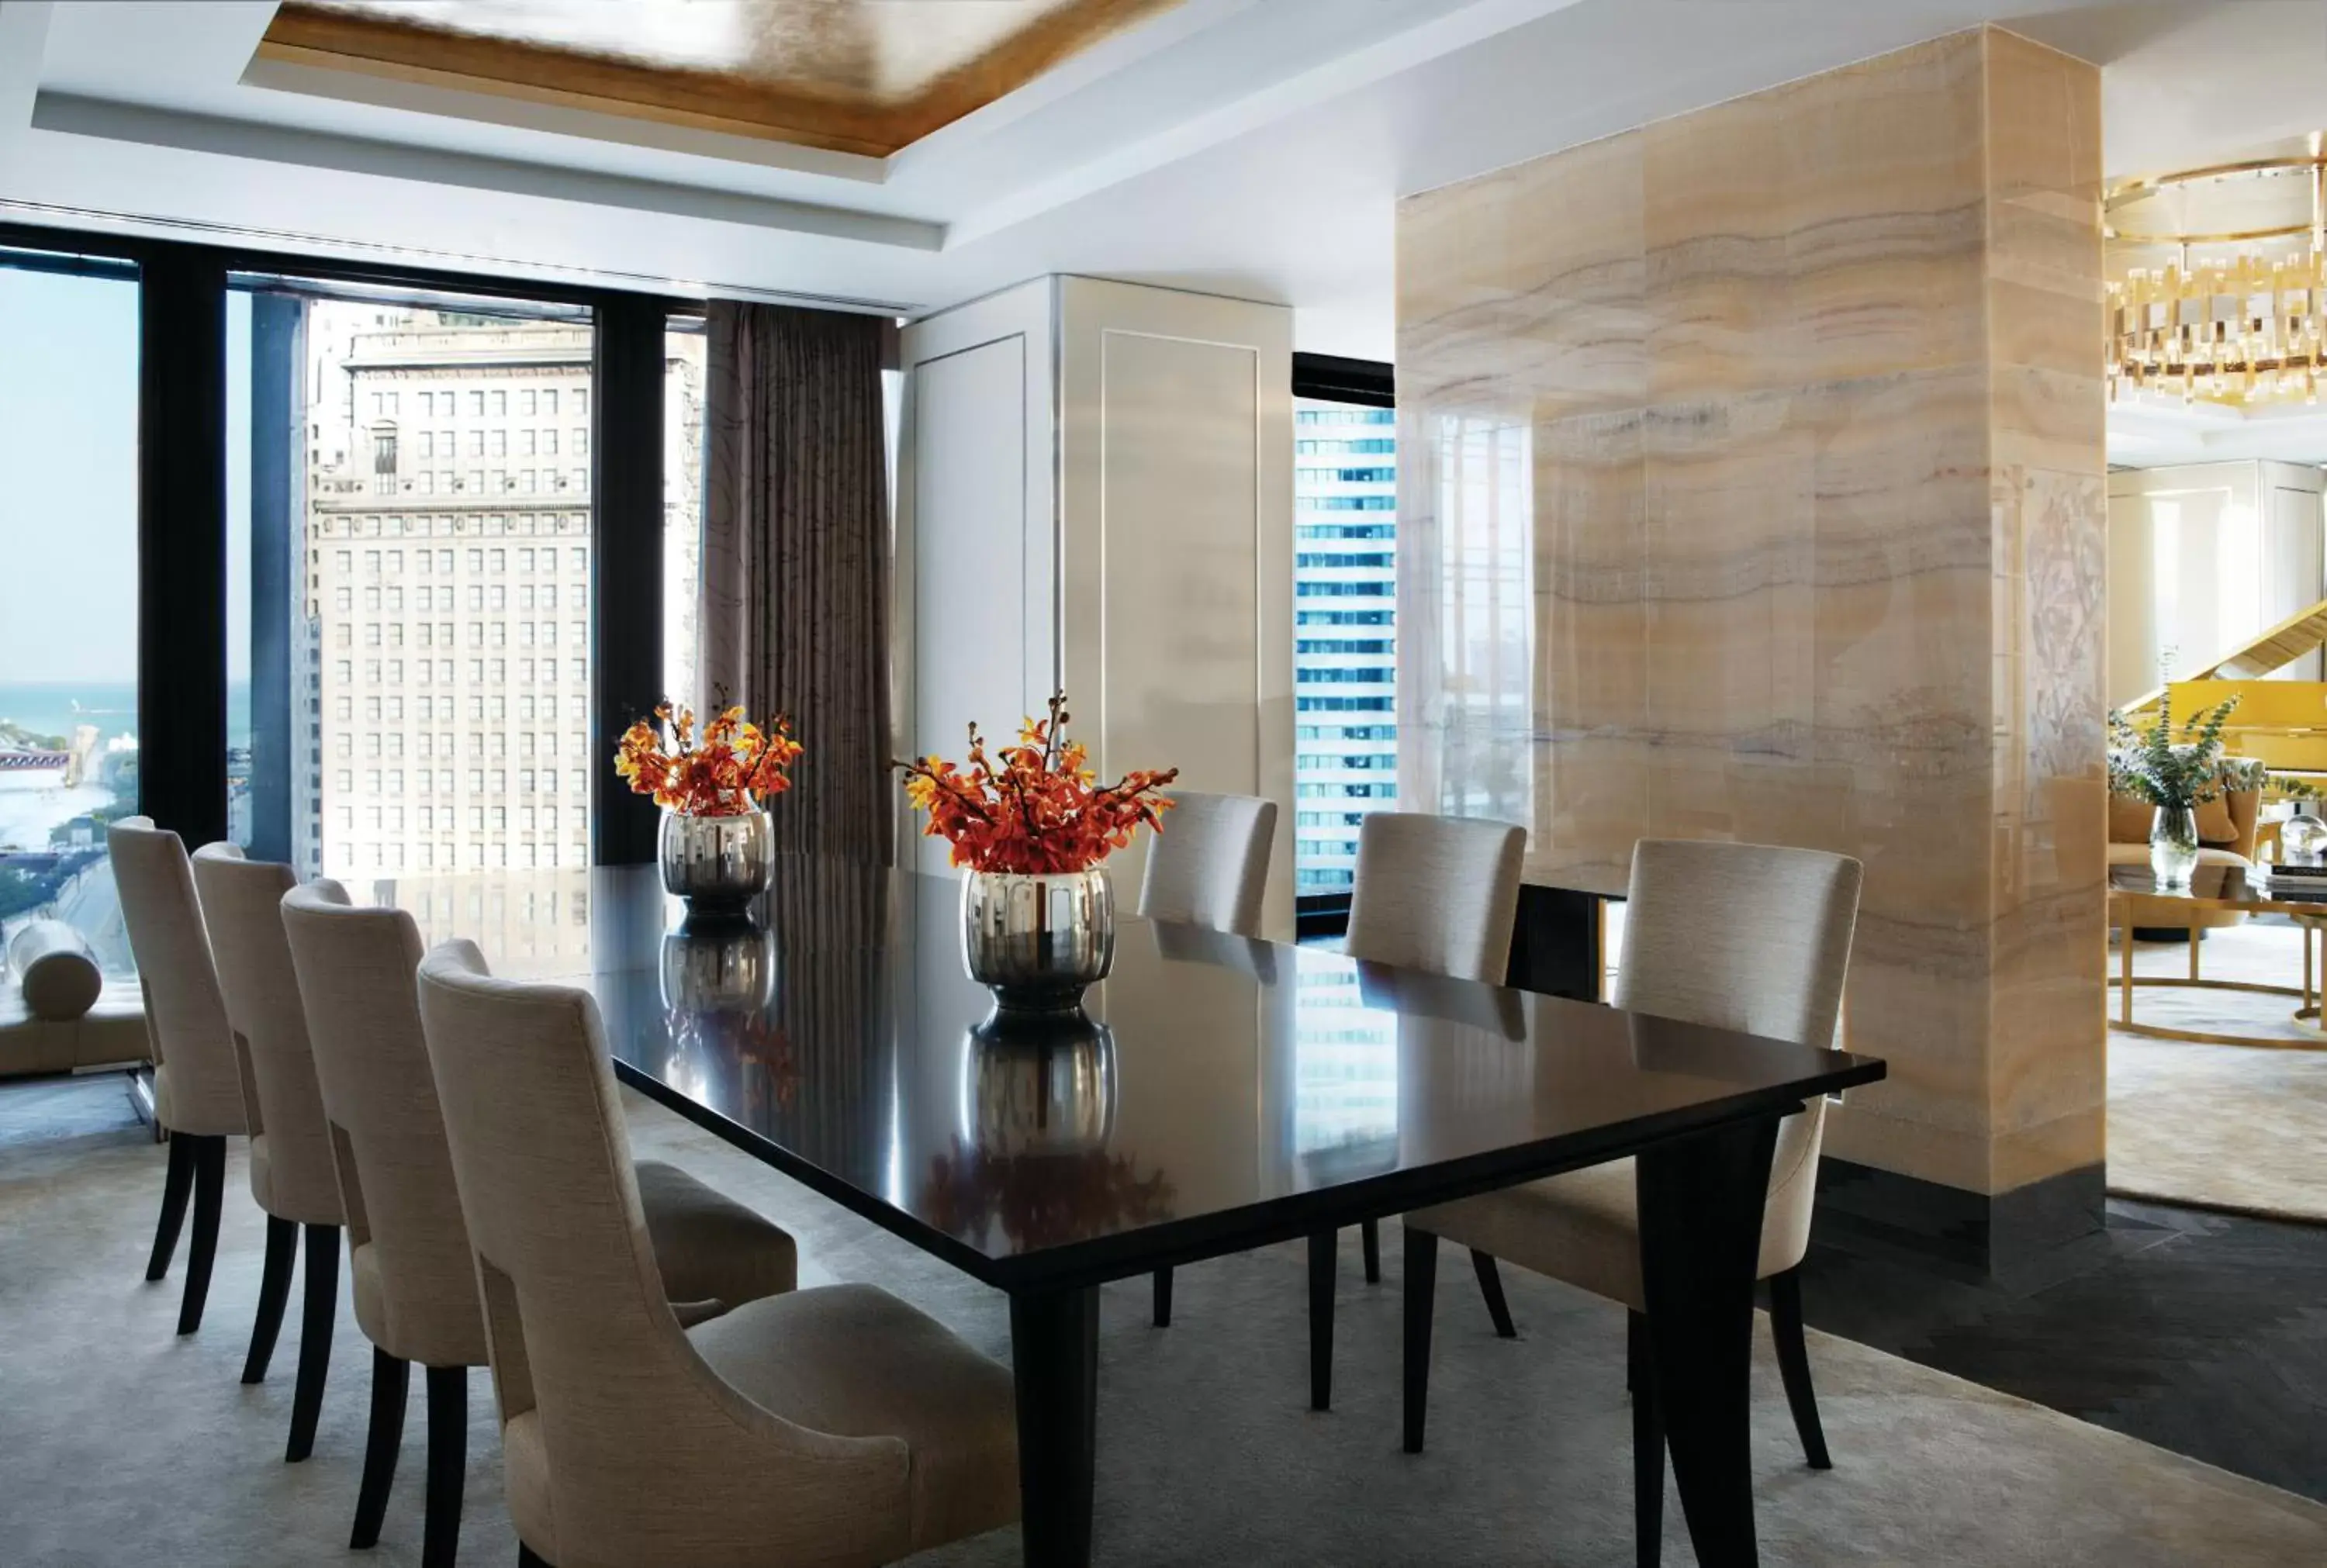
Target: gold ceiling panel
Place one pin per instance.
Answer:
(853, 75)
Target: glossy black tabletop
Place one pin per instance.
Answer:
(2229, 886)
(1220, 1094)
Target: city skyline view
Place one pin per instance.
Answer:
(68, 444)
(414, 425)
(1345, 652)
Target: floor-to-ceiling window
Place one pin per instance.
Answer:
(68, 596)
(1345, 606)
(306, 554)
(420, 576)
(684, 348)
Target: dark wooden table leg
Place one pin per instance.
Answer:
(1054, 1359)
(1421, 1297)
(1700, 1204)
(1321, 1254)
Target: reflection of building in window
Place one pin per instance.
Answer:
(1345, 1059)
(1344, 656)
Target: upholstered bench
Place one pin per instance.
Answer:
(60, 1013)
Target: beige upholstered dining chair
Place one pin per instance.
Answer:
(197, 1090)
(291, 1172)
(1209, 867)
(1209, 864)
(408, 1253)
(836, 1425)
(1738, 936)
(1438, 894)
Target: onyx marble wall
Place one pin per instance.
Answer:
(1752, 488)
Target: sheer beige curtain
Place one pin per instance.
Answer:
(796, 557)
(1468, 675)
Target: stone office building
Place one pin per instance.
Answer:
(447, 593)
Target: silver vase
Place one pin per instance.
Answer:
(718, 864)
(1037, 939)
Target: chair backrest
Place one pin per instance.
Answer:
(1208, 865)
(646, 1453)
(242, 909)
(357, 970)
(186, 1012)
(1754, 937)
(1438, 893)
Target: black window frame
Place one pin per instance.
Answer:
(181, 523)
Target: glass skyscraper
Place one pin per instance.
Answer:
(1345, 604)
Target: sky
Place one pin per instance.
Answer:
(68, 478)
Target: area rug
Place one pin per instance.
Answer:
(2237, 1128)
(120, 1442)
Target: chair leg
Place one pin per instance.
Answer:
(526, 1557)
(448, 1463)
(1794, 1364)
(176, 1185)
(1636, 1351)
(1647, 1451)
(1490, 1285)
(1163, 1298)
(1369, 1233)
(391, 1383)
(1321, 1320)
(274, 1291)
(1421, 1277)
(209, 1160)
(321, 1307)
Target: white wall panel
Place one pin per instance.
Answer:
(976, 637)
(1098, 485)
(1177, 545)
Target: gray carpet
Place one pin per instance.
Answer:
(2221, 1126)
(120, 1443)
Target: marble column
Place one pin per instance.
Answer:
(1754, 490)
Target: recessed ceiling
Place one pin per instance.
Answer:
(853, 75)
(1253, 148)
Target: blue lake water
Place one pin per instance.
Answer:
(47, 707)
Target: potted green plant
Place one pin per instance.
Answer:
(2175, 775)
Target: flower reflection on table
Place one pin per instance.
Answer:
(1038, 1107)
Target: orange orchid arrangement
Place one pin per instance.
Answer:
(736, 765)
(1042, 810)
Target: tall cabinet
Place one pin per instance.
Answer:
(1095, 491)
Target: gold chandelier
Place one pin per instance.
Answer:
(2234, 315)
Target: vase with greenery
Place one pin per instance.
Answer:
(2175, 775)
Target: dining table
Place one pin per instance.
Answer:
(1215, 1094)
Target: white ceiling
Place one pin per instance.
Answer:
(1253, 147)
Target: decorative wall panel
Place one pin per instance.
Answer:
(1757, 494)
